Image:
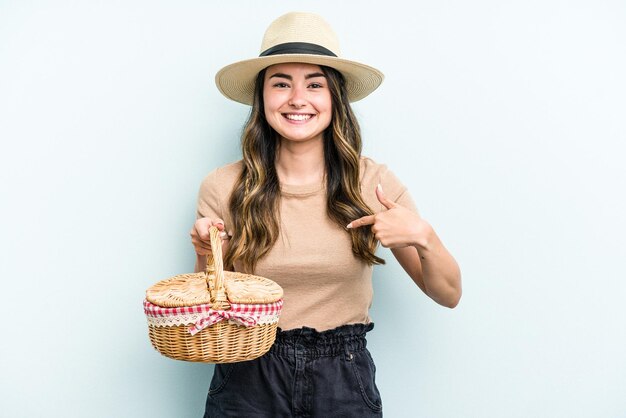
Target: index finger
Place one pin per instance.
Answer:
(365, 220)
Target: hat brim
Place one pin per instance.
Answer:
(236, 81)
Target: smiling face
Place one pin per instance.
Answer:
(297, 101)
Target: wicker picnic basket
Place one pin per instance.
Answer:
(215, 316)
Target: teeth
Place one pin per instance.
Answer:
(297, 117)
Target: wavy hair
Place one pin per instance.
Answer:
(254, 203)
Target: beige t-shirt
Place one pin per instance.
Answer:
(324, 284)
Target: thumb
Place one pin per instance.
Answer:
(218, 223)
(383, 199)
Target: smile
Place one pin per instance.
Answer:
(297, 116)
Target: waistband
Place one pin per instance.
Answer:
(313, 343)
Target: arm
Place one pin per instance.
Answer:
(417, 248)
(433, 269)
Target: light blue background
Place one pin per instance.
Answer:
(506, 120)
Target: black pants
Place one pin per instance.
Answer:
(305, 374)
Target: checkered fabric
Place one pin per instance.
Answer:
(243, 314)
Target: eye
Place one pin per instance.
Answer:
(281, 85)
(316, 85)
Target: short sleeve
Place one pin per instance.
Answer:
(209, 201)
(396, 191)
(215, 192)
(374, 174)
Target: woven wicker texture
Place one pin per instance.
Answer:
(223, 342)
(246, 288)
(192, 289)
(220, 343)
(183, 290)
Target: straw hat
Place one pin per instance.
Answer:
(297, 37)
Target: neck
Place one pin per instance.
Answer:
(300, 163)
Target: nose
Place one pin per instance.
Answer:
(298, 97)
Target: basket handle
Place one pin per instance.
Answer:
(215, 272)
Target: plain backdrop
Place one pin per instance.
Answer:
(506, 120)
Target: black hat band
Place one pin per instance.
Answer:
(297, 48)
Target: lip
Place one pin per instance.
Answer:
(295, 121)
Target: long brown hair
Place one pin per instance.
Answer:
(254, 203)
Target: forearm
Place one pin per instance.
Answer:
(417, 248)
(440, 272)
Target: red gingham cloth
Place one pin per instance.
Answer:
(241, 313)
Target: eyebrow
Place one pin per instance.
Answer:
(288, 77)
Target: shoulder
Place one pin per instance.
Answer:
(373, 174)
(222, 178)
(215, 191)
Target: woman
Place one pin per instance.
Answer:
(305, 209)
